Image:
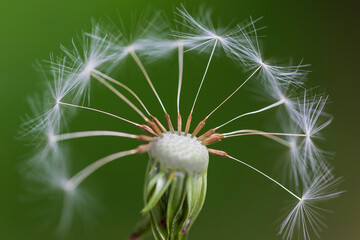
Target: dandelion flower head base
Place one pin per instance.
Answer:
(180, 152)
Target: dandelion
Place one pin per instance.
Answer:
(179, 154)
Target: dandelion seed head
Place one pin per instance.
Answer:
(176, 153)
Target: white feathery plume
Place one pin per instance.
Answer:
(134, 45)
(248, 50)
(273, 77)
(46, 121)
(289, 95)
(281, 75)
(155, 40)
(281, 83)
(306, 215)
(52, 177)
(247, 46)
(153, 49)
(148, 37)
(47, 174)
(296, 170)
(311, 109)
(311, 119)
(201, 34)
(61, 80)
(46, 109)
(40, 130)
(93, 53)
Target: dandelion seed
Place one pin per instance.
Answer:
(176, 177)
(306, 214)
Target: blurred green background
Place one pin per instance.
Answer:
(240, 204)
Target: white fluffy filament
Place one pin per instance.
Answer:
(206, 70)
(111, 88)
(257, 132)
(142, 68)
(67, 136)
(123, 86)
(233, 92)
(273, 180)
(271, 135)
(181, 66)
(87, 171)
(100, 111)
(253, 112)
